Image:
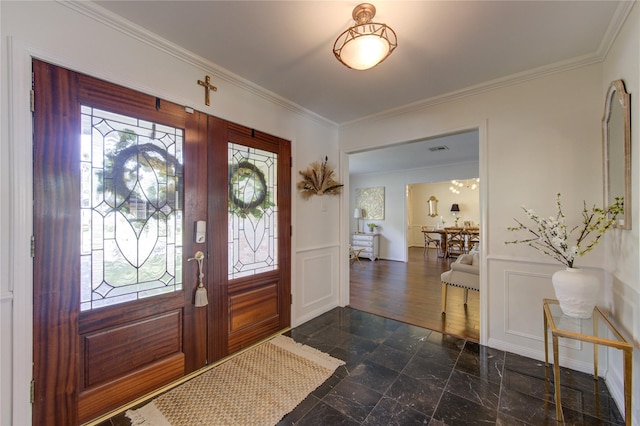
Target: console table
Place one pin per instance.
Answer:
(368, 244)
(597, 330)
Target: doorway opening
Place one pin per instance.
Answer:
(404, 170)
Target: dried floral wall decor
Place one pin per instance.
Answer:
(318, 179)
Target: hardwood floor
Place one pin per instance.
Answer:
(411, 292)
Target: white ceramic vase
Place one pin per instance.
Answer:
(577, 292)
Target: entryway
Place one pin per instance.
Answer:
(161, 242)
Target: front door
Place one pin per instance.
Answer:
(121, 182)
(250, 199)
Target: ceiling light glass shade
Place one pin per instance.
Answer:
(367, 43)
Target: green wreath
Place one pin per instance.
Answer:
(140, 154)
(248, 192)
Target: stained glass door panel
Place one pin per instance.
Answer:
(131, 208)
(253, 211)
(255, 271)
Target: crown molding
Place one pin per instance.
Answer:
(620, 16)
(487, 86)
(127, 27)
(615, 25)
(122, 25)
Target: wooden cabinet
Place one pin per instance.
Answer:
(369, 243)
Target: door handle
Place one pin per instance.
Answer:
(201, 298)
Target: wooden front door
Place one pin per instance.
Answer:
(120, 181)
(250, 201)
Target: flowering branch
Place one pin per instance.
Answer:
(550, 236)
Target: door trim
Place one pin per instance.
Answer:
(20, 264)
(21, 219)
(482, 126)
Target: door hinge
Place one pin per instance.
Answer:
(32, 100)
(32, 391)
(33, 246)
(290, 299)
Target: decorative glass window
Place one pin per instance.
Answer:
(131, 208)
(253, 213)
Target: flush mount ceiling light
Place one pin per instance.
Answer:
(367, 43)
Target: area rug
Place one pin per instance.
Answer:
(257, 387)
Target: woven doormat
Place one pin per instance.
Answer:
(257, 387)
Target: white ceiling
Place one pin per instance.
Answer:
(444, 47)
(458, 148)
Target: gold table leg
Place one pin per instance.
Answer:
(546, 340)
(595, 348)
(628, 359)
(556, 380)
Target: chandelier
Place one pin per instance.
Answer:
(367, 43)
(457, 185)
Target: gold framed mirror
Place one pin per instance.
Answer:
(616, 137)
(432, 203)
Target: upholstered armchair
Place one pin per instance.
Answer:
(464, 273)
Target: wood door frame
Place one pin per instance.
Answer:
(64, 394)
(21, 218)
(220, 133)
(20, 211)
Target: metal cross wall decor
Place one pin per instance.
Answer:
(207, 88)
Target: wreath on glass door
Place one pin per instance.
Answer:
(248, 194)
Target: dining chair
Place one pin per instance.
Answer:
(430, 242)
(455, 238)
(473, 239)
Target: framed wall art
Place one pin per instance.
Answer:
(371, 201)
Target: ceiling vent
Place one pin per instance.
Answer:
(439, 148)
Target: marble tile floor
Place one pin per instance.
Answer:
(400, 374)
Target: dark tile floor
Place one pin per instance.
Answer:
(399, 374)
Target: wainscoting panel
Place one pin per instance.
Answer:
(6, 384)
(516, 287)
(415, 236)
(515, 290)
(520, 289)
(624, 308)
(315, 285)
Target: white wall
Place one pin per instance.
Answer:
(542, 137)
(77, 37)
(394, 229)
(538, 137)
(622, 265)
(418, 215)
